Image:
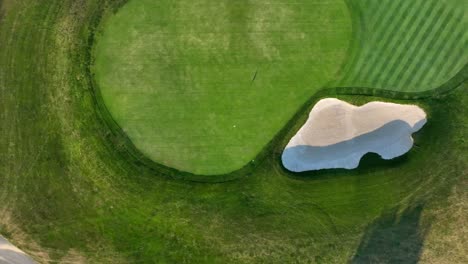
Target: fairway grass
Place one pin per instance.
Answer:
(407, 46)
(70, 192)
(203, 86)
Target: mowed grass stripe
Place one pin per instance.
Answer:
(455, 64)
(436, 31)
(379, 9)
(434, 50)
(381, 13)
(409, 61)
(402, 44)
(390, 38)
(374, 38)
(442, 65)
(383, 31)
(411, 47)
(447, 41)
(401, 28)
(360, 61)
(438, 68)
(457, 48)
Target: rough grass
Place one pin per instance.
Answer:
(67, 183)
(203, 87)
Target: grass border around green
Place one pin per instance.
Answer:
(118, 139)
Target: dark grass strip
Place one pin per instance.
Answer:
(455, 62)
(439, 47)
(368, 21)
(417, 47)
(359, 31)
(453, 54)
(375, 14)
(421, 52)
(372, 44)
(392, 40)
(391, 9)
(385, 30)
(403, 48)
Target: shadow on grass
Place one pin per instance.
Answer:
(395, 237)
(393, 139)
(369, 162)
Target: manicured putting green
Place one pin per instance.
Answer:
(202, 86)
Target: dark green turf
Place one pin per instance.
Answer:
(68, 182)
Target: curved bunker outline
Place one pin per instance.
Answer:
(389, 141)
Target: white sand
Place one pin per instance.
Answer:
(10, 254)
(338, 134)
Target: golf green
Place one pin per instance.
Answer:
(202, 86)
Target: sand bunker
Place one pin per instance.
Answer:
(10, 254)
(338, 134)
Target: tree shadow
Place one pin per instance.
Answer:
(395, 237)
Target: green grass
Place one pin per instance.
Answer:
(70, 188)
(407, 46)
(203, 87)
(183, 91)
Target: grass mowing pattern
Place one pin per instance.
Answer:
(203, 87)
(408, 46)
(65, 181)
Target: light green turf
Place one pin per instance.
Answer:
(202, 86)
(408, 45)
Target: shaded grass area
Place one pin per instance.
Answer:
(70, 184)
(393, 238)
